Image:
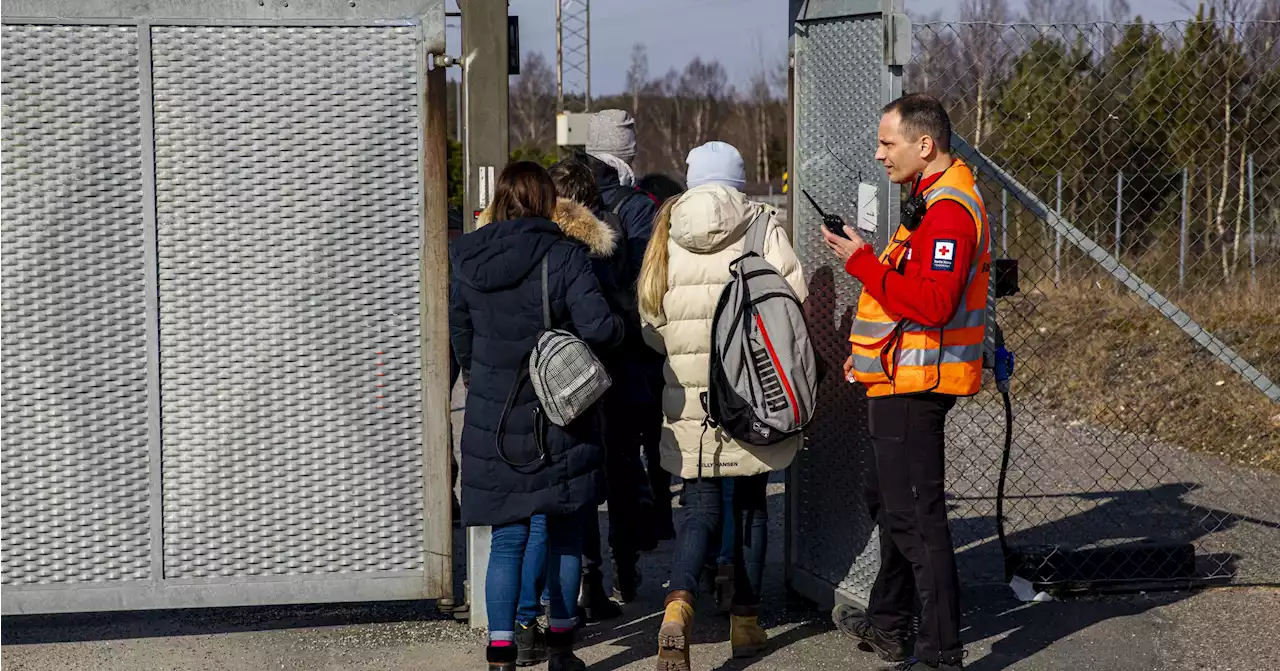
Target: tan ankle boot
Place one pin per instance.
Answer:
(746, 637)
(675, 633)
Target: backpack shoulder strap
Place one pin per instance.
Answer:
(546, 296)
(757, 231)
(617, 207)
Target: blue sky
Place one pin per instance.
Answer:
(736, 32)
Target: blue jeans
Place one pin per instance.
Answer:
(533, 571)
(703, 528)
(519, 553)
(722, 554)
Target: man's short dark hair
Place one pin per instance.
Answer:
(574, 181)
(922, 115)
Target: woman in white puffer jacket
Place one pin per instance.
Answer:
(695, 238)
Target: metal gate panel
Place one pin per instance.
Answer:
(74, 336)
(841, 83)
(214, 384)
(287, 213)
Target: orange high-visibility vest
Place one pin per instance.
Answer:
(894, 355)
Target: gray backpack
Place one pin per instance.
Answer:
(565, 373)
(764, 377)
(566, 376)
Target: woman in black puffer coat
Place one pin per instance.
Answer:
(495, 318)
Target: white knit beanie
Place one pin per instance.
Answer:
(716, 163)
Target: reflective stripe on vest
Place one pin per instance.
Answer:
(920, 358)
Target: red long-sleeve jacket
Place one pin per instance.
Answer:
(928, 289)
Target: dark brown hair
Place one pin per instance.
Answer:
(574, 181)
(524, 190)
(661, 186)
(922, 115)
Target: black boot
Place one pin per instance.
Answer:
(626, 579)
(594, 603)
(531, 644)
(723, 587)
(501, 658)
(560, 647)
(889, 646)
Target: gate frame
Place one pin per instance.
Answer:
(896, 51)
(435, 579)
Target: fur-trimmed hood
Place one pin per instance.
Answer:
(577, 222)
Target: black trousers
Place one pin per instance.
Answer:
(630, 497)
(659, 479)
(905, 496)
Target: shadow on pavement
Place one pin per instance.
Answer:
(64, 628)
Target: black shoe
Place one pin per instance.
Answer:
(531, 644)
(626, 580)
(888, 646)
(560, 647)
(500, 659)
(594, 604)
(723, 587)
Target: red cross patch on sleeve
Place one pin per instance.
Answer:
(944, 255)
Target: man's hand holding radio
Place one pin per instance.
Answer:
(846, 246)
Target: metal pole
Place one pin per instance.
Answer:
(487, 88)
(587, 103)
(559, 57)
(1119, 206)
(486, 83)
(1004, 221)
(433, 310)
(1182, 234)
(1057, 238)
(1253, 253)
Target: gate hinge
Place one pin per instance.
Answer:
(445, 60)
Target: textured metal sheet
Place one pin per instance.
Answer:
(288, 233)
(74, 339)
(839, 76)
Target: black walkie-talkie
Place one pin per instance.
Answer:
(830, 221)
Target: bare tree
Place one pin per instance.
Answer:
(532, 102)
(760, 98)
(1231, 11)
(705, 85)
(693, 101)
(1226, 170)
(1059, 11)
(987, 53)
(935, 68)
(637, 76)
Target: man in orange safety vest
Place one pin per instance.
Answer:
(917, 345)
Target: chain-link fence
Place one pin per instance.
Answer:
(1137, 454)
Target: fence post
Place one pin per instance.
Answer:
(1182, 234)
(1004, 221)
(1057, 239)
(1253, 254)
(1119, 206)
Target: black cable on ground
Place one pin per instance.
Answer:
(1004, 472)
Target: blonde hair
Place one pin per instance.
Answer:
(651, 288)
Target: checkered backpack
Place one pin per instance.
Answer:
(566, 375)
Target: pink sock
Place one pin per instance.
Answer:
(561, 630)
(501, 644)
